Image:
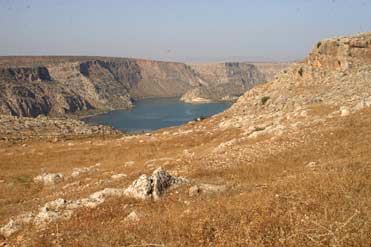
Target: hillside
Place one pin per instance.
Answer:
(287, 165)
(55, 86)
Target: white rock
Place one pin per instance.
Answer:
(14, 225)
(141, 188)
(133, 216)
(10, 228)
(222, 146)
(25, 218)
(154, 186)
(344, 111)
(76, 183)
(84, 170)
(363, 104)
(53, 211)
(107, 192)
(129, 163)
(49, 178)
(118, 176)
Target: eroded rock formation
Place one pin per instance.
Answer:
(32, 86)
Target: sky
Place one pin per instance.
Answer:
(177, 30)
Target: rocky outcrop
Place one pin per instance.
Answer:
(145, 187)
(223, 81)
(154, 186)
(270, 69)
(335, 75)
(23, 128)
(55, 86)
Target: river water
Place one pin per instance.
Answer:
(153, 114)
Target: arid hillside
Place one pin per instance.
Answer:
(56, 86)
(287, 165)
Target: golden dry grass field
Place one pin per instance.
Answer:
(274, 198)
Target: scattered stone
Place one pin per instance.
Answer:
(222, 146)
(133, 216)
(344, 111)
(118, 176)
(84, 170)
(49, 178)
(187, 153)
(312, 165)
(76, 183)
(107, 192)
(14, 225)
(51, 212)
(363, 104)
(129, 163)
(25, 128)
(10, 228)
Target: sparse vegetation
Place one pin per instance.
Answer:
(264, 99)
(301, 71)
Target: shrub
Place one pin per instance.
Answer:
(264, 99)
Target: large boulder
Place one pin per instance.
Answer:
(154, 186)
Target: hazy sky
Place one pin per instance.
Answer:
(187, 30)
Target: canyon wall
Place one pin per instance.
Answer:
(32, 86)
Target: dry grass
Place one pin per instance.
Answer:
(273, 199)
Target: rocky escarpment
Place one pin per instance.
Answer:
(31, 91)
(223, 81)
(32, 86)
(334, 79)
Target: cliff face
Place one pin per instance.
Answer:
(58, 89)
(223, 81)
(30, 91)
(164, 79)
(31, 86)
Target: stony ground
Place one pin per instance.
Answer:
(310, 185)
(287, 165)
(15, 129)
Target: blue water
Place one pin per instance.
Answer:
(153, 114)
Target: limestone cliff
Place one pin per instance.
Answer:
(31, 86)
(223, 81)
